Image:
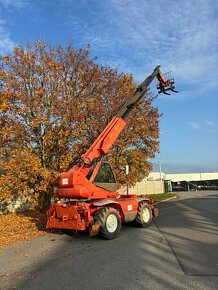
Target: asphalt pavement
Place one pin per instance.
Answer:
(178, 251)
(191, 228)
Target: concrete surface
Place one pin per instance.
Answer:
(178, 251)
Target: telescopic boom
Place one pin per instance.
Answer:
(109, 135)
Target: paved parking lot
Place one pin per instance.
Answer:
(179, 251)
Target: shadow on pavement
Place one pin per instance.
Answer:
(191, 228)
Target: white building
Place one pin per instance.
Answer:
(159, 182)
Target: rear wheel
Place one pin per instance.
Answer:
(110, 222)
(144, 215)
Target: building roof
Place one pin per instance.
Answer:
(183, 176)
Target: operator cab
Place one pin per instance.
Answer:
(103, 176)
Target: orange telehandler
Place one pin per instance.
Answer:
(87, 197)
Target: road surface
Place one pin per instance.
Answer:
(178, 251)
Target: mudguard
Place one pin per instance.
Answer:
(143, 199)
(104, 202)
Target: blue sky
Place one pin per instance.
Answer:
(137, 35)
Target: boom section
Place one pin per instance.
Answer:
(109, 135)
(105, 140)
(139, 93)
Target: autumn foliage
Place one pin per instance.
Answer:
(54, 102)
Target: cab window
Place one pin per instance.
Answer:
(105, 174)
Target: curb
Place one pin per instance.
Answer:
(164, 200)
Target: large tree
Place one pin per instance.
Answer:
(54, 102)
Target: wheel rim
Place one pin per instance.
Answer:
(111, 223)
(145, 215)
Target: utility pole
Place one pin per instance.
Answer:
(127, 179)
(160, 170)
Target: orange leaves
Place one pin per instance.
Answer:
(3, 105)
(3, 74)
(21, 227)
(21, 172)
(6, 59)
(52, 64)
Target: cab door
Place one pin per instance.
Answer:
(105, 177)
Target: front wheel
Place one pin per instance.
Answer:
(144, 215)
(110, 222)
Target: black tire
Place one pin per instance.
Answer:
(144, 215)
(110, 223)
